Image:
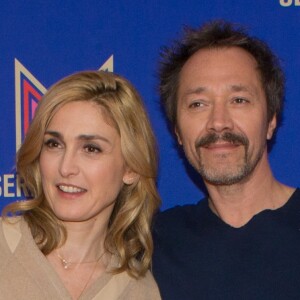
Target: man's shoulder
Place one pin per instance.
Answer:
(296, 194)
(179, 215)
(291, 207)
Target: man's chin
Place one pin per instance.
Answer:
(217, 177)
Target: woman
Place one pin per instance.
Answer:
(89, 162)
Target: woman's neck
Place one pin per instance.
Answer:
(85, 240)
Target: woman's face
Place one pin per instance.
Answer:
(81, 163)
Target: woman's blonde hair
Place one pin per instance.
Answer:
(129, 235)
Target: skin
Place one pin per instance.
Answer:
(81, 163)
(220, 94)
(82, 171)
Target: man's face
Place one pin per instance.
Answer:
(222, 115)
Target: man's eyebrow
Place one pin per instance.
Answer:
(197, 90)
(234, 87)
(241, 88)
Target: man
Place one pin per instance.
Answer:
(222, 91)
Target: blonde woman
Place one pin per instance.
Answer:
(89, 162)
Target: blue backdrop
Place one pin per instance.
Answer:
(43, 41)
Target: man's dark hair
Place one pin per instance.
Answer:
(219, 34)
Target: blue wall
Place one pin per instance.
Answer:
(51, 39)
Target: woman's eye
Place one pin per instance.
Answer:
(92, 149)
(51, 143)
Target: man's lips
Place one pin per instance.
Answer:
(226, 140)
(222, 145)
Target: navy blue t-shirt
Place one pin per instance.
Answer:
(198, 256)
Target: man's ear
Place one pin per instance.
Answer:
(130, 177)
(177, 135)
(271, 127)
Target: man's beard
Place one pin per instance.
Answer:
(233, 174)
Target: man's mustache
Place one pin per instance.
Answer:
(211, 138)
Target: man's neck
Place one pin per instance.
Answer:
(236, 204)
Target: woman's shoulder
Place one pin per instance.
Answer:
(143, 288)
(122, 286)
(10, 231)
(11, 223)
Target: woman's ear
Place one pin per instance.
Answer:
(130, 177)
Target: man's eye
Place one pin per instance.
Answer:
(240, 100)
(196, 104)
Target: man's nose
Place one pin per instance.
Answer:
(219, 119)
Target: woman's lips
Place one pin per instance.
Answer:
(70, 189)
